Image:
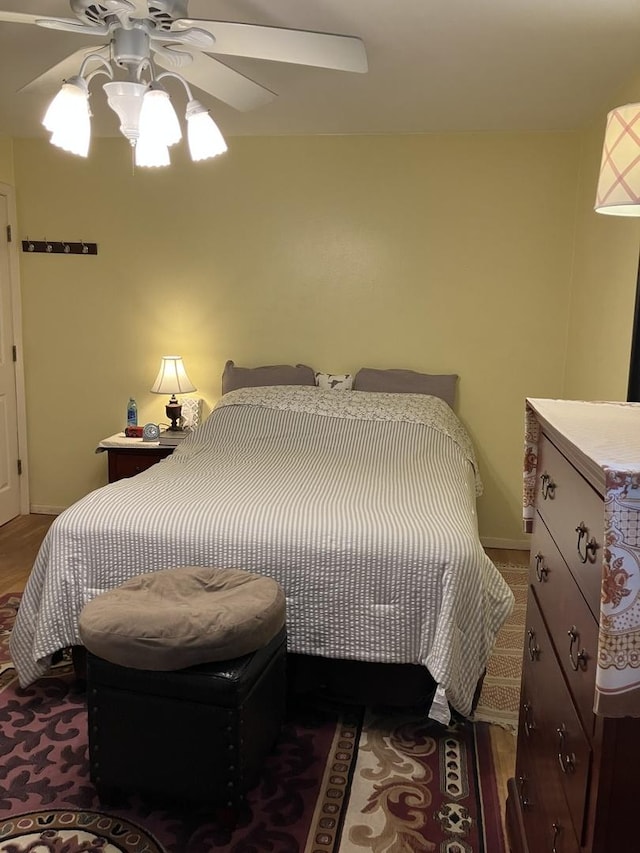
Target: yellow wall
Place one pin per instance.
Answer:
(437, 253)
(6, 160)
(603, 287)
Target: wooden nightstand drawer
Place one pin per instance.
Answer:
(128, 463)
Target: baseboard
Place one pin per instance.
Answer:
(36, 509)
(506, 544)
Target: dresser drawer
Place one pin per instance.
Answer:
(568, 618)
(556, 739)
(544, 811)
(574, 514)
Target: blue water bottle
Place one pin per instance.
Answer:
(132, 413)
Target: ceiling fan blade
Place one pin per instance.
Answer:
(222, 82)
(43, 21)
(69, 26)
(52, 78)
(303, 47)
(19, 18)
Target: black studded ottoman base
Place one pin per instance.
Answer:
(199, 734)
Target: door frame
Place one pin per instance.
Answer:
(16, 320)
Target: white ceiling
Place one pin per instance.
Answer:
(434, 65)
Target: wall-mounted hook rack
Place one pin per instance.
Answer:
(59, 247)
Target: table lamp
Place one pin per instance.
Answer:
(172, 379)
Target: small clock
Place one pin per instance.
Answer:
(150, 432)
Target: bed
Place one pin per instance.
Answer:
(362, 505)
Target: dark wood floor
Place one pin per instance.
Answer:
(19, 543)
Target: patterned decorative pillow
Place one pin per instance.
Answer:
(191, 412)
(334, 381)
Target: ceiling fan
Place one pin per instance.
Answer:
(140, 36)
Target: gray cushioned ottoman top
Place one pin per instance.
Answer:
(176, 618)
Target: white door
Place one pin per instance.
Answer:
(9, 477)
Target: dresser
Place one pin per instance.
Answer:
(576, 787)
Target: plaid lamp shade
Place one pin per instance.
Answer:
(618, 191)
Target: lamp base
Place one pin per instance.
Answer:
(173, 410)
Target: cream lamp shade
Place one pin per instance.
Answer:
(618, 192)
(172, 377)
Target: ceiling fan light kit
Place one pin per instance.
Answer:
(147, 116)
(144, 35)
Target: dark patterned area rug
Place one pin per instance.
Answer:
(340, 780)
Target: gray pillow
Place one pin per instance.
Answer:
(407, 382)
(234, 377)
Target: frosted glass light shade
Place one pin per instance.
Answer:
(151, 152)
(125, 99)
(172, 377)
(618, 192)
(205, 139)
(158, 119)
(68, 117)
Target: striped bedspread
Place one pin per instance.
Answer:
(361, 505)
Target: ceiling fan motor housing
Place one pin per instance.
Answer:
(129, 47)
(161, 12)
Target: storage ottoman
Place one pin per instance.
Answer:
(198, 733)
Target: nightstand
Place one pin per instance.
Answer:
(129, 456)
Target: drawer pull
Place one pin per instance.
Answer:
(532, 645)
(524, 800)
(548, 487)
(590, 546)
(541, 570)
(557, 829)
(566, 760)
(527, 716)
(580, 661)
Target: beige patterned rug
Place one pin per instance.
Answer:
(500, 696)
